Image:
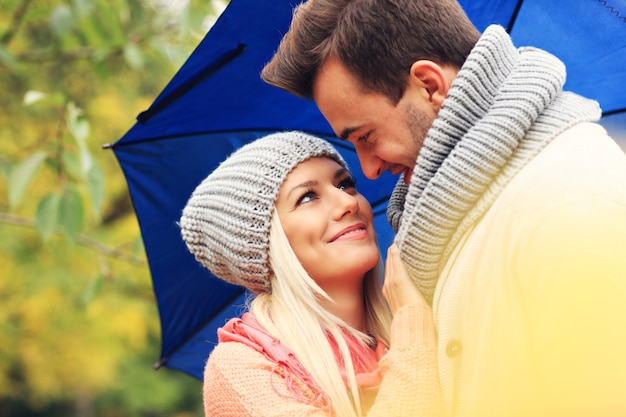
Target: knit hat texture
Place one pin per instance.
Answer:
(226, 222)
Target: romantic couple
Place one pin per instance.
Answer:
(504, 293)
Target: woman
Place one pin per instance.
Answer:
(282, 217)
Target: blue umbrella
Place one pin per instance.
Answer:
(217, 102)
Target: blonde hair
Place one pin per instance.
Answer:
(292, 313)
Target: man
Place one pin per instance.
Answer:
(511, 209)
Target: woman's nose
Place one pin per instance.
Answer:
(345, 203)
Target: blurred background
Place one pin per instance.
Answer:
(79, 326)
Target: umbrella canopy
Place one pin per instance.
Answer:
(217, 102)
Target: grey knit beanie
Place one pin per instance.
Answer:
(226, 222)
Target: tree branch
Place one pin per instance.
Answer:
(16, 21)
(45, 55)
(82, 239)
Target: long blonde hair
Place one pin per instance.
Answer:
(293, 314)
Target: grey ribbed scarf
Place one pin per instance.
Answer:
(504, 107)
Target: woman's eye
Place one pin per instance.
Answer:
(306, 197)
(347, 184)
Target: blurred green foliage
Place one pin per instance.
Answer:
(79, 327)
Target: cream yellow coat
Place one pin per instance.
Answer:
(531, 305)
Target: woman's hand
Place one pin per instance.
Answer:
(398, 289)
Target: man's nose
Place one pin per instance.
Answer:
(372, 167)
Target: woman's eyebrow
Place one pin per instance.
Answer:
(306, 184)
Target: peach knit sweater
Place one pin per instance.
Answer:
(240, 381)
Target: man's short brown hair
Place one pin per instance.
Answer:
(377, 40)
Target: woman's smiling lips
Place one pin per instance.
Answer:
(354, 232)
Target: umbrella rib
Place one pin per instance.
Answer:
(146, 115)
(518, 6)
(613, 112)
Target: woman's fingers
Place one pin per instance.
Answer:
(398, 288)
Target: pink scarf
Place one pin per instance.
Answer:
(247, 330)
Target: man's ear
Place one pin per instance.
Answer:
(433, 78)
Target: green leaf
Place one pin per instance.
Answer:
(78, 125)
(5, 166)
(61, 20)
(7, 60)
(122, 11)
(109, 24)
(71, 212)
(84, 7)
(92, 290)
(33, 96)
(133, 56)
(95, 183)
(71, 165)
(21, 176)
(47, 216)
(86, 160)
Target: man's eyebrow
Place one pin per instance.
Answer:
(345, 134)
